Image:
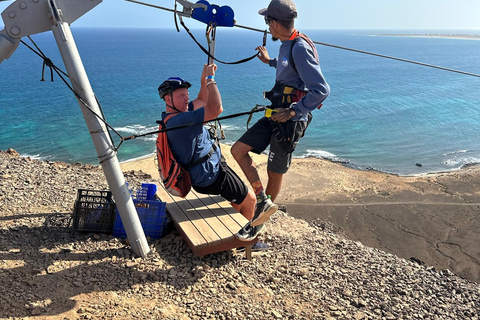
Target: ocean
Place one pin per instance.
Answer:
(381, 115)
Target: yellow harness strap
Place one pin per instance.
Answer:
(269, 112)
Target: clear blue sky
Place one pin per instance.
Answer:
(313, 14)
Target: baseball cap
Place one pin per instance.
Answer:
(284, 10)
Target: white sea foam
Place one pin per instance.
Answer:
(137, 129)
(455, 152)
(35, 157)
(230, 127)
(139, 158)
(459, 162)
(322, 155)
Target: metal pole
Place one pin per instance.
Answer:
(103, 145)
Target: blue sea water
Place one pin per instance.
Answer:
(382, 114)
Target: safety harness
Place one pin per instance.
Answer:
(283, 96)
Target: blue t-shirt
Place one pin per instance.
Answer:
(192, 143)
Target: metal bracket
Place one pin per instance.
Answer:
(24, 18)
(7, 45)
(188, 7)
(57, 17)
(212, 29)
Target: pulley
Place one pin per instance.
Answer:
(214, 15)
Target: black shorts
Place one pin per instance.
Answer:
(228, 185)
(282, 138)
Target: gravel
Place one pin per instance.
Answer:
(309, 272)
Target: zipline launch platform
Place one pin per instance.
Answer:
(207, 223)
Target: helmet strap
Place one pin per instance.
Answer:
(173, 105)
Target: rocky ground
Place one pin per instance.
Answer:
(50, 271)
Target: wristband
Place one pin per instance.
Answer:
(293, 113)
(210, 77)
(211, 82)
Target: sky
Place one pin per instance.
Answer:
(312, 14)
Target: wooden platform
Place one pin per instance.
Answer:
(207, 223)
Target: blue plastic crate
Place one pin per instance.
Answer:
(147, 192)
(152, 215)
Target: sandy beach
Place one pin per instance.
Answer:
(433, 218)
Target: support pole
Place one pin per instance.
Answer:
(24, 18)
(103, 145)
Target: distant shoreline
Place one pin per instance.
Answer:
(149, 159)
(432, 35)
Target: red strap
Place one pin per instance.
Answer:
(294, 34)
(297, 33)
(168, 117)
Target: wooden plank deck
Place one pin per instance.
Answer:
(207, 223)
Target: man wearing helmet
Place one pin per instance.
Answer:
(195, 148)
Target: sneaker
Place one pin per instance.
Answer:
(257, 247)
(248, 232)
(263, 211)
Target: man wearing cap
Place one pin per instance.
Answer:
(196, 149)
(299, 89)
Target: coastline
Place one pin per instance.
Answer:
(430, 217)
(143, 161)
(431, 35)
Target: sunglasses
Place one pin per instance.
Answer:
(268, 20)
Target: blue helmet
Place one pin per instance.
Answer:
(172, 84)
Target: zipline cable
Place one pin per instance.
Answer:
(101, 117)
(376, 54)
(398, 59)
(258, 108)
(151, 5)
(337, 47)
